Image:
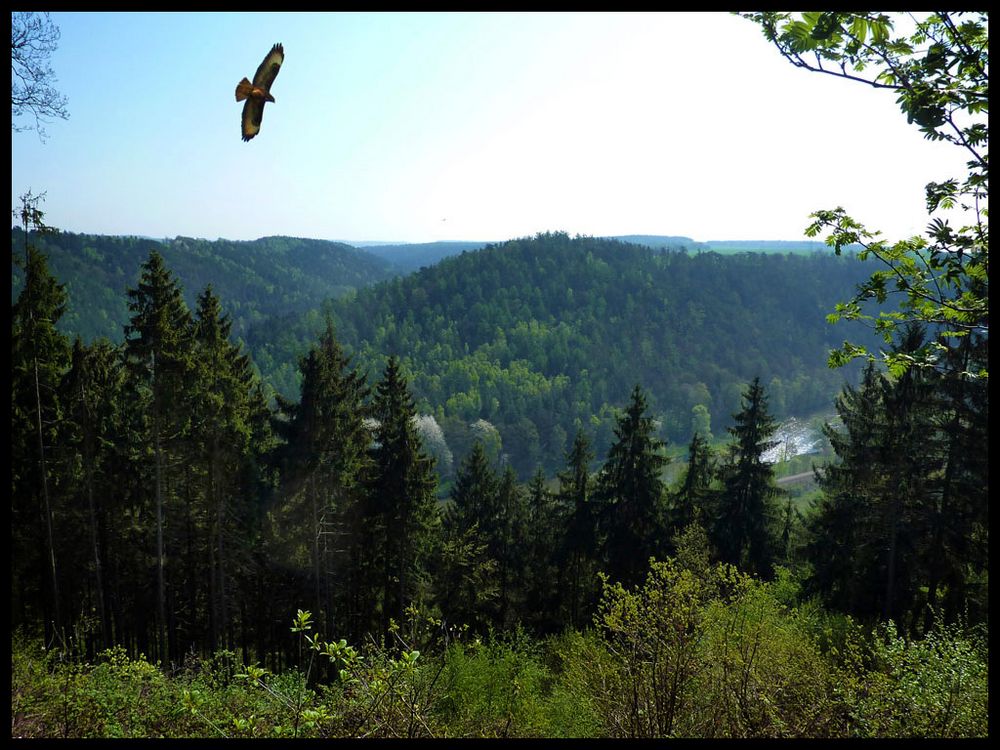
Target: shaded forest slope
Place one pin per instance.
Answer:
(255, 280)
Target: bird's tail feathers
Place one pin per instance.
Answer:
(243, 89)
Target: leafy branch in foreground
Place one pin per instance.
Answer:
(375, 694)
(939, 71)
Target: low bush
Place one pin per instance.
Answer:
(706, 653)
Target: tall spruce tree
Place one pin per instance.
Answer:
(473, 491)
(956, 552)
(505, 533)
(158, 346)
(224, 441)
(631, 493)
(881, 507)
(837, 548)
(466, 581)
(402, 495)
(39, 357)
(694, 498)
(323, 461)
(745, 533)
(905, 500)
(92, 392)
(539, 555)
(580, 547)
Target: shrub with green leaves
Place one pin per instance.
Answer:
(934, 687)
(764, 674)
(119, 697)
(654, 633)
(714, 654)
(709, 654)
(494, 688)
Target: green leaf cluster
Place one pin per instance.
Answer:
(937, 64)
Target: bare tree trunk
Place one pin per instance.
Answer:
(94, 531)
(98, 570)
(47, 503)
(317, 566)
(890, 581)
(53, 572)
(221, 555)
(160, 575)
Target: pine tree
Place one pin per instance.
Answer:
(39, 357)
(539, 553)
(466, 577)
(836, 548)
(158, 347)
(905, 500)
(956, 553)
(694, 498)
(505, 535)
(226, 401)
(473, 491)
(323, 463)
(631, 493)
(745, 521)
(880, 512)
(92, 392)
(402, 494)
(579, 547)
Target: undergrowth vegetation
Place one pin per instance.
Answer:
(697, 651)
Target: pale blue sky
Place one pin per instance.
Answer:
(416, 127)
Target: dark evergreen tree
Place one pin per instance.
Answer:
(474, 490)
(956, 550)
(579, 548)
(879, 534)
(837, 548)
(227, 404)
(904, 501)
(631, 493)
(92, 391)
(745, 521)
(466, 581)
(402, 498)
(539, 555)
(158, 349)
(505, 531)
(694, 498)
(39, 357)
(323, 462)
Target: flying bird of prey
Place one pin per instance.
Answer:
(259, 92)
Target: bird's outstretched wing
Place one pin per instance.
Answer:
(253, 113)
(269, 68)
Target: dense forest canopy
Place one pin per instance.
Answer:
(258, 279)
(528, 335)
(524, 334)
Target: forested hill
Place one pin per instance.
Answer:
(255, 280)
(539, 336)
(407, 257)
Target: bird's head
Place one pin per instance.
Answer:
(268, 97)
